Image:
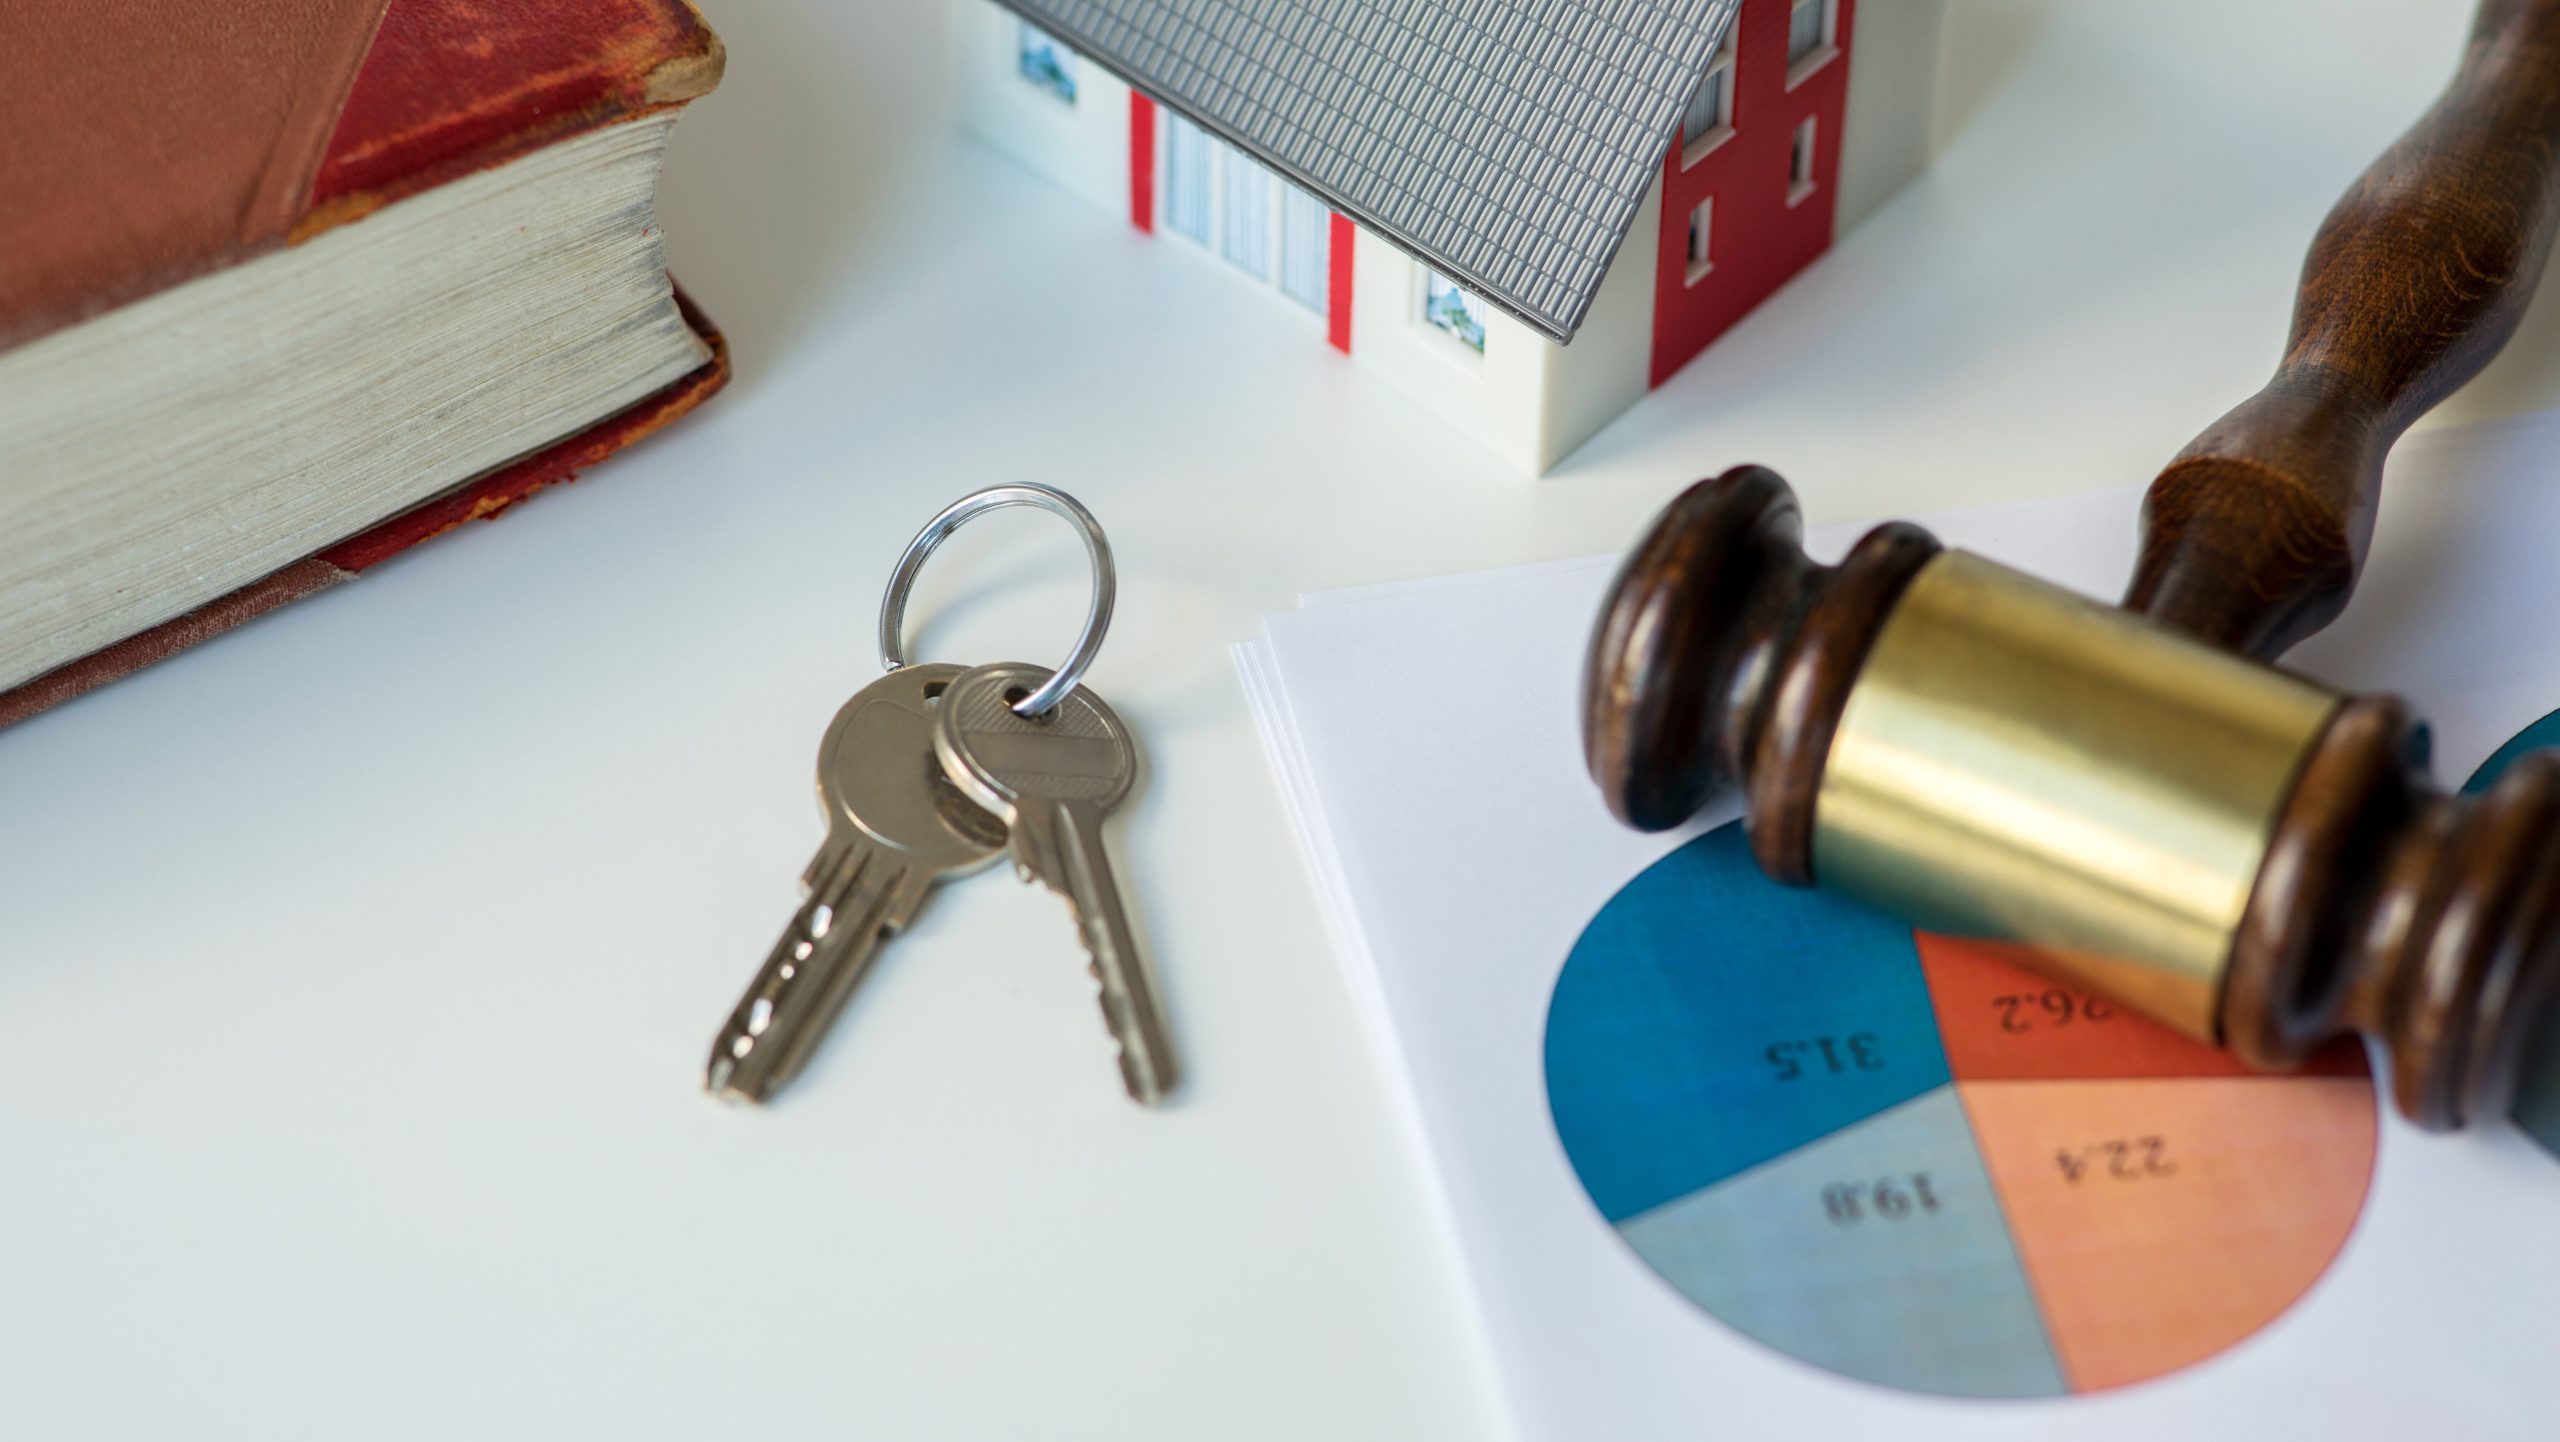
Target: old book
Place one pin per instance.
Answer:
(287, 286)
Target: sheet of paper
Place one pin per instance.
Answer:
(1426, 736)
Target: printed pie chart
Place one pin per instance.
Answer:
(1904, 1160)
(2537, 1105)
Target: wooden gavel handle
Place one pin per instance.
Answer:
(2253, 536)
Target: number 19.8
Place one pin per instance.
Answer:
(1892, 1198)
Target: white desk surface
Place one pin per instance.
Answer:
(359, 965)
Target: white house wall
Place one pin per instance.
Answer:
(1893, 81)
(1497, 398)
(1609, 366)
(1084, 146)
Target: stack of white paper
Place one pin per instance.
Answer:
(1426, 738)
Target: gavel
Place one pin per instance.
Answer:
(2137, 800)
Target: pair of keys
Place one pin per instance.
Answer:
(930, 773)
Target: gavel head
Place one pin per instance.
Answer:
(2257, 861)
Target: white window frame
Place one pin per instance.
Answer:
(1702, 240)
(1824, 50)
(1443, 339)
(1694, 148)
(1070, 64)
(1806, 142)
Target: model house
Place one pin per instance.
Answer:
(1522, 213)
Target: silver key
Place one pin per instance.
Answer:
(1053, 779)
(895, 826)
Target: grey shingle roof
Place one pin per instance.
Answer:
(1505, 143)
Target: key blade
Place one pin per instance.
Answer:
(1060, 845)
(859, 895)
(896, 825)
(1054, 777)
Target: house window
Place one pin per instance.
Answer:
(1246, 220)
(1447, 308)
(1701, 238)
(1709, 116)
(1800, 163)
(1044, 63)
(1186, 178)
(1306, 248)
(1810, 28)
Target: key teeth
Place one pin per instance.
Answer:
(1147, 1075)
(721, 1078)
(1148, 1087)
(721, 1075)
(715, 1080)
(863, 896)
(1147, 1071)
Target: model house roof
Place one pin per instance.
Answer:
(1504, 143)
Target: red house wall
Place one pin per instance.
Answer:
(1756, 240)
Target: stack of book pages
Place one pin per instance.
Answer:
(287, 286)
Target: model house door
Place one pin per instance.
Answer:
(1246, 223)
(1230, 204)
(1306, 246)
(1186, 178)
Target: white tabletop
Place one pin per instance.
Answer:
(359, 965)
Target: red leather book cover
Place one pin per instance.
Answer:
(154, 172)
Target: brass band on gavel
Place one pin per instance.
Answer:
(2249, 858)
(2019, 764)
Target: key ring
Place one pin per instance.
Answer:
(1097, 616)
